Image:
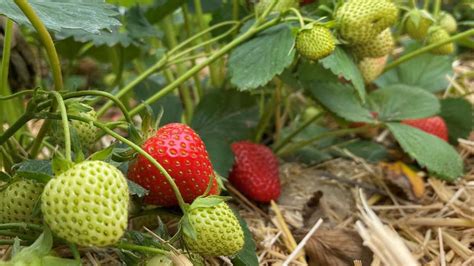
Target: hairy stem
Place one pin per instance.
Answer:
(144, 249)
(65, 124)
(46, 39)
(295, 132)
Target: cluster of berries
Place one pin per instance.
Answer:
(88, 203)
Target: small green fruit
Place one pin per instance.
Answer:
(87, 204)
(417, 23)
(438, 34)
(360, 21)
(218, 231)
(382, 45)
(448, 22)
(281, 5)
(315, 43)
(18, 200)
(371, 68)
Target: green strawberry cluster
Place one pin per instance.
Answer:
(364, 25)
(422, 26)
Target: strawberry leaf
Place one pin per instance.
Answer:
(427, 72)
(103, 155)
(246, 256)
(39, 170)
(4, 177)
(206, 202)
(257, 61)
(458, 115)
(221, 118)
(187, 227)
(136, 189)
(429, 151)
(342, 64)
(399, 102)
(341, 100)
(70, 14)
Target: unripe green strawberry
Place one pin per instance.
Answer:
(371, 68)
(448, 22)
(87, 204)
(18, 200)
(438, 34)
(417, 23)
(360, 21)
(382, 45)
(315, 42)
(86, 132)
(218, 232)
(281, 5)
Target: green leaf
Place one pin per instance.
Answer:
(103, 155)
(341, 100)
(429, 151)
(4, 177)
(459, 117)
(426, 71)
(56, 261)
(399, 102)
(89, 16)
(248, 255)
(206, 202)
(41, 247)
(187, 227)
(39, 170)
(341, 63)
(221, 118)
(256, 62)
(369, 150)
(136, 189)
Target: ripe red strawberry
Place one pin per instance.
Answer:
(255, 171)
(432, 125)
(182, 153)
(306, 2)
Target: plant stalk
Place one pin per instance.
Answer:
(46, 39)
(295, 132)
(224, 50)
(428, 48)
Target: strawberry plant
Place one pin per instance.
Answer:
(183, 111)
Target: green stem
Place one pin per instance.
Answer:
(15, 127)
(197, 89)
(24, 226)
(11, 242)
(235, 9)
(428, 48)
(183, 90)
(224, 50)
(413, 4)
(17, 94)
(426, 4)
(74, 251)
(103, 94)
(298, 14)
(295, 132)
(134, 83)
(134, 146)
(6, 54)
(436, 8)
(213, 71)
(335, 133)
(46, 39)
(265, 119)
(16, 234)
(65, 124)
(39, 139)
(144, 249)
